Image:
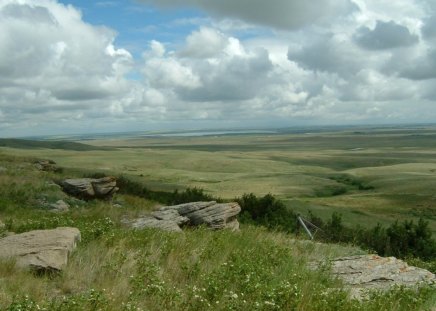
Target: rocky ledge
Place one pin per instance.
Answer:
(40, 250)
(90, 188)
(171, 218)
(365, 272)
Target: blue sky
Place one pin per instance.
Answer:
(104, 66)
(137, 24)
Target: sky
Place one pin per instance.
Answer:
(83, 66)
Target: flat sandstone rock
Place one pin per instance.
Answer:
(90, 188)
(364, 272)
(212, 214)
(41, 250)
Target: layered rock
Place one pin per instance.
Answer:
(212, 214)
(41, 250)
(90, 188)
(365, 272)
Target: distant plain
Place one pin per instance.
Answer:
(369, 175)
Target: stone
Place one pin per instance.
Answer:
(151, 222)
(46, 166)
(89, 188)
(41, 250)
(170, 215)
(59, 207)
(364, 272)
(215, 216)
(3, 169)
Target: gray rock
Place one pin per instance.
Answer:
(88, 188)
(213, 215)
(42, 250)
(187, 208)
(365, 272)
(170, 215)
(3, 169)
(59, 207)
(151, 222)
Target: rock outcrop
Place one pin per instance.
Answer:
(364, 272)
(89, 188)
(41, 250)
(47, 166)
(212, 214)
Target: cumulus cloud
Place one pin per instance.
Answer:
(385, 35)
(284, 14)
(51, 60)
(375, 64)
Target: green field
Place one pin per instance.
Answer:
(368, 175)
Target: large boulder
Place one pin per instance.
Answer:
(90, 188)
(151, 222)
(212, 214)
(364, 272)
(41, 250)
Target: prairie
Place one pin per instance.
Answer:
(369, 175)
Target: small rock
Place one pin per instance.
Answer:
(46, 166)
(88, 188)
(3, 169)
(41, 250)
(60, 206)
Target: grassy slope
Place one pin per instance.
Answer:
(119, 269)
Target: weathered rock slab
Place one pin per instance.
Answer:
(364, 272)
(89, 188)
(151, 222)
(215, 216)
(41, 250)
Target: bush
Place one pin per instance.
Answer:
(267, 211)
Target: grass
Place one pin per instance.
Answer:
(115, 268)
(385, 174)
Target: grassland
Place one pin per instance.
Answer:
(115, 268)
(368, 175)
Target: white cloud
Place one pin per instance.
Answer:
(371, 64)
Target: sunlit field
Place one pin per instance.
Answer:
(369, 176)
